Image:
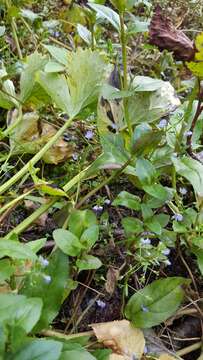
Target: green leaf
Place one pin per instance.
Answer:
(67, 242)
(154, 225)
(19, 310)
(57, 88)
(192, 170)
(145, 171)
(51, 293)
(88, 262)
(199, 255)
(156, 302)
(53, 67)
(80, 220)
(76, 354)
(29, 314)
(36, 245)
(35, 62)
(159, 191)
(84, 33)
(106, 13)
(86, 70)
(89, 237)
(128, 200)
(60, 54)
(6, 269)
(132, 225)
(39, 349)
(146, 83)
(28, 14)
(16, 250)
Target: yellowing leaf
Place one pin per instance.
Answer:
(197, 66)
(124, 339)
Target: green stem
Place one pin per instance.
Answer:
(15, 36)
(14, 201)
(28, 221)
(125, 68)
(43, 208)
(14, 33)
(35, 158)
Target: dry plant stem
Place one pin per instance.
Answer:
(189, 349)
(60, 335)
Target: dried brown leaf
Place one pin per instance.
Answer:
(163, 34)
(121, 337)
(111, 280)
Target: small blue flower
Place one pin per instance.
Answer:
(101, 304)
(44, 262)
(183, 191)
(75, 156)
(166, 252)
(188, 133)
(177, 217)
(146, 241)
(47, 279)
(144, 308)
(162, 124)
(167, 262)
(97, 208)
(89, 134)
(107, 202)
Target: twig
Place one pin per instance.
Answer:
(60, 335)
(189, 349)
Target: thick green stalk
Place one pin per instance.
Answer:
(14, 202)
(125, 68)
(43, 208)
(30, 219)
(35, 158)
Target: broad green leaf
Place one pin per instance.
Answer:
(52, 292)
(88, 262)
(106, 13)
(19, 310)
(156, 302)
(16, 250)
(67, 242)
(39, 349)
(52, 191)
(102, 354)
(89, 237)
(28, 315)
(200, 260)
(6, 269)
(192, 170)
(80, 220)
(145, 171)
(86, 70)
(35, 62)
(159, 191)
(53, 67)
(137, 26)
(77, 354)
(154, 225)
(36, 245)
(146, 83)
(58, 53)
(57, 88)
(128, 200)
(84, 33)
(132, 225)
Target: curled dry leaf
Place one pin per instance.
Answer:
(111, 280)
(32, 134)
(124, 339)
(163, 34)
